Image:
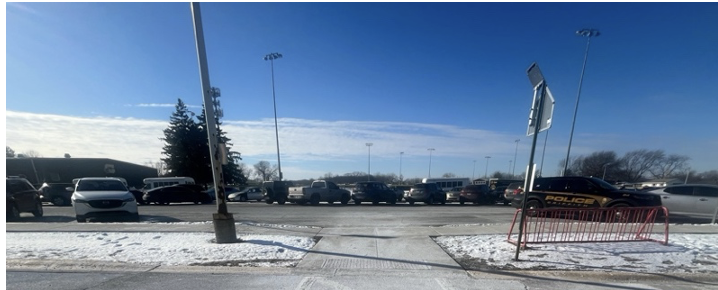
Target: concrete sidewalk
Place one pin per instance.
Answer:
(359, 258)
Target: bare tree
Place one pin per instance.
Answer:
(159, 166)
(638, 162)
(599, 162)
(248, 172)
(265, 171)
(31, 153)
(667, 166)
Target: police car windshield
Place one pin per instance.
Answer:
(604, 184)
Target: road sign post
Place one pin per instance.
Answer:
(542, 105)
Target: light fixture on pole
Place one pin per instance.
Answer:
(588, 33)
(401, 177)
(368, 145)
(604, 170)
(513, 171)
(486, 173)
(430, 150)
(271, 57)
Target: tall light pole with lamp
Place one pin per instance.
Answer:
(368, 145)
(486, 173)
(588, 33)
(271, 57)
(430, 150)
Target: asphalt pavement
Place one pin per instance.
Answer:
(343, 258)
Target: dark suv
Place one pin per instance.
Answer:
(374, 192)
(428, 193)
(21, 196)
(582, 192)
(276, 191)
(477, 194)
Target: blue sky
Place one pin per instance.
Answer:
(101, 80)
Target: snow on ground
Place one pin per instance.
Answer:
(158, 248)
(685, 253)
(689, 253)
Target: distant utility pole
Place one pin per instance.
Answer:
(486, 173)
(368, 145)
(401, 177)
(430, 150)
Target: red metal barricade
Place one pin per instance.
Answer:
(569, 225)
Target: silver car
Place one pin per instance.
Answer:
(453, 194)
(689, 199)
(249, 193)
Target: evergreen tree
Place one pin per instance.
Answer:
(181, 149)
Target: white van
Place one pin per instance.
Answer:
(155, 182)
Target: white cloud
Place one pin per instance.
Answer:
(309, 148)
(151, 105)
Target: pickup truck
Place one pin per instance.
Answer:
(319, 191)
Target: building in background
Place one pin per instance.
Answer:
(64, 170)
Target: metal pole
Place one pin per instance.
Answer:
(604, 171)
(401, 177)
(473, 173)
(223, 221)
(513, 171)
(529, 175)
(543, 154)
(588, 33)
(430, 150)
(486, 173)
(509, 171)
(271, 57)
(368, 145)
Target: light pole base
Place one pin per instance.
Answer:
(224, 229)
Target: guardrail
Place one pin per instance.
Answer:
(568, 225)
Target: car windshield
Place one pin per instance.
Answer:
(603, 184)
(100, 185)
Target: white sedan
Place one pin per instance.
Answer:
(98, 197)
(249, 193)
(689, 199)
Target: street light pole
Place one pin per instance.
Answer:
(473, 173)
(368, 145)
(510, 161)
(271, 57)
(604, 170)
(588, 33)
(513, 171)
(401, 177)
(430, 150)
(486, 173)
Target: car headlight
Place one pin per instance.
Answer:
(77, 200)
(129, 199)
